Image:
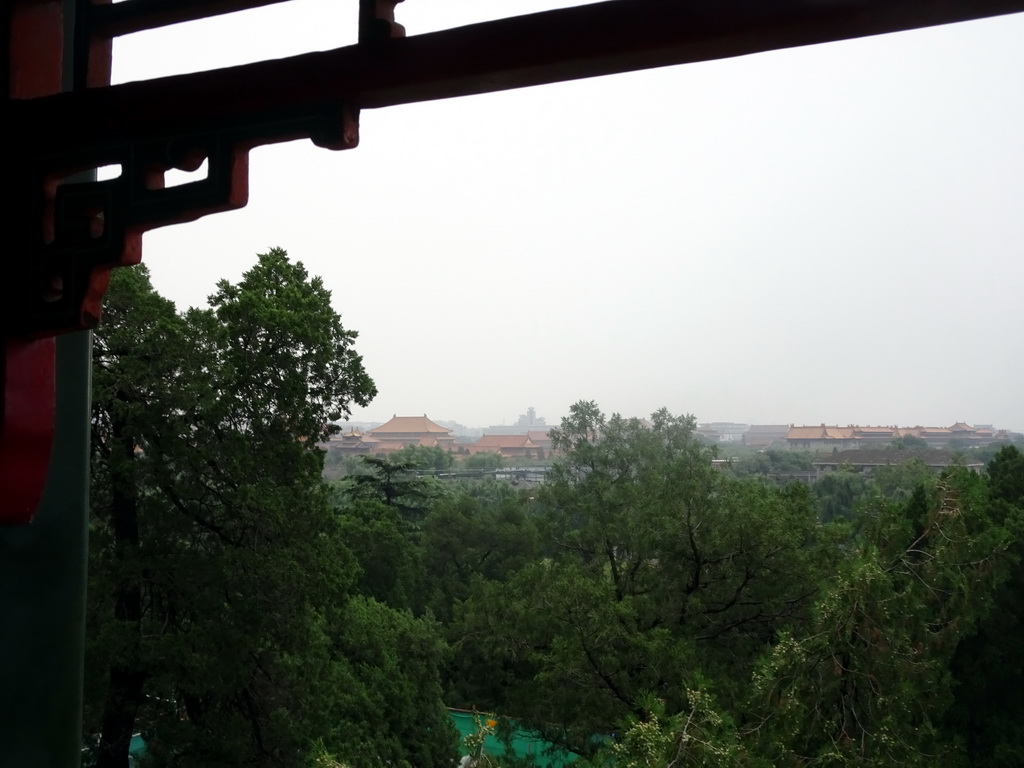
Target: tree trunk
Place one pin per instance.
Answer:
(126, 675)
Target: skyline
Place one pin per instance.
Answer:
(829, 231)
(556, 422)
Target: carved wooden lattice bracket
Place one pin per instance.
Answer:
(90, 227)
(73, 232)
(67, 233)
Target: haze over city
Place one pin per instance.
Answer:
(825, 234)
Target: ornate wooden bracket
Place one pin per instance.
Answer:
(68, 233)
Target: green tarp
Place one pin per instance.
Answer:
(522, 743)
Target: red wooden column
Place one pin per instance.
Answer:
(27, 372)
(44, 456)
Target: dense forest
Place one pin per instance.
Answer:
(642, 607)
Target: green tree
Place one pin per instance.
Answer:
(898, 481)
(838, 494)
(663, 575)
(392, 482)
(470, 539)
(484, 460)
(467, 538)
(909, 443)
(221, 591)
(773, 462)
(424, 457)
(1006, 476)
(138, 373)
(868, 681)
(384, 545)
(988, 711)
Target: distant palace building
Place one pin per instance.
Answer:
(508, 446)
(827, 438)
(764, 435)
(411, 430)
(396, 434)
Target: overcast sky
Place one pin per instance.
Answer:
(825, 234)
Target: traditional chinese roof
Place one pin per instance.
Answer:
(403, 425)
(876, 430)
(768, 429)
(498, 442)
(821, 432)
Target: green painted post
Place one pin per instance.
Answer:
(42, 589)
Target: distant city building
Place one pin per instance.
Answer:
(460, 430)
(527, 422)
(530, 419)
(722, 431)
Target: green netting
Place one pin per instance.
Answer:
(523, 743)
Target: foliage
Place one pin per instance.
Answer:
(484, 460)
(773, 461)
(222, 614)
(697, 736)
(384, 546)
(465, 539)
(1006, 476)
(708, 620)
(338, 465)
(988, 710)
(392, 482)
(424, 457)
(909, 443)
(838, 494)
(897, 482)
(868, 683)
(660, 570)
(394, 713)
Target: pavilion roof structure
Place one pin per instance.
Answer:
(404, 425)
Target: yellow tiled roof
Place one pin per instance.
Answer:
(409, 424)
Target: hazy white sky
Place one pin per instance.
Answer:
(825, 234)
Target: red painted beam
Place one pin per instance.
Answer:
(566, 44)
(26, 433)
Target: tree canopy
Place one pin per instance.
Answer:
(645, 606)
(226, 618)
(674, 614)
(661, 573)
